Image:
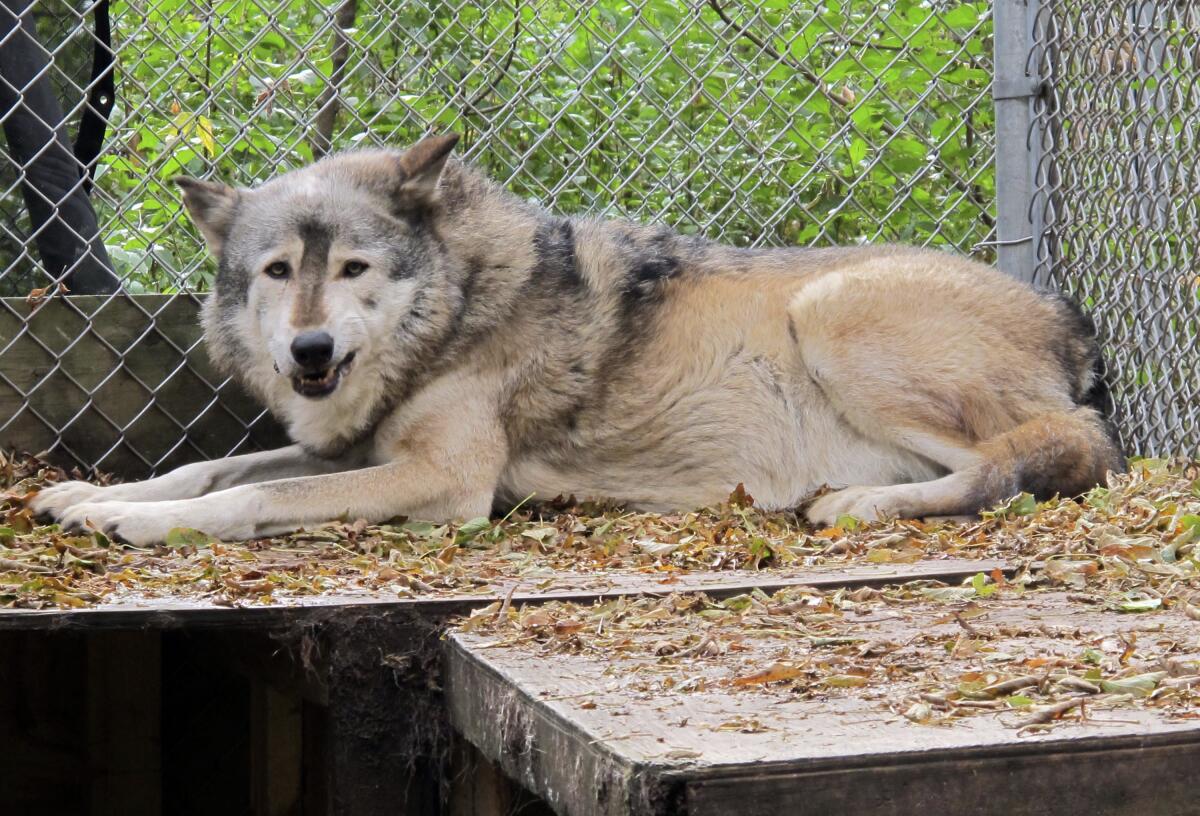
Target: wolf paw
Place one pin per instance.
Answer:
(864, 503)
(138, 523)
(54, 501)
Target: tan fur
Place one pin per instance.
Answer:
(518, 353)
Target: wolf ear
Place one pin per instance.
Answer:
(211, 206)
(421, 167)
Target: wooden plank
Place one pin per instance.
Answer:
(44, 737)
(124, 677)
(479, 788)
(124, 380)
(1107, 780)
(276, 750)
(166, 613)
(600, 735)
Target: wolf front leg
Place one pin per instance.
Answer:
(269, 508)
(191, 480)
(445, 465)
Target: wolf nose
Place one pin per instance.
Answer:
(313, 350)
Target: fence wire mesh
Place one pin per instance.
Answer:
(776, 122)
(759, 123)
(1117, 189)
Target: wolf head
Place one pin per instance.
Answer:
(324, 272)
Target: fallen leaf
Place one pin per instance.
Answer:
(777, 672)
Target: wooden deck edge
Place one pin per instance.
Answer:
(173, 614)
(1125, 775)
(1129, 776)
(540, 749)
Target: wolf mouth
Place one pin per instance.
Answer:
(317, 384)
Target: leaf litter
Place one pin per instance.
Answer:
(1124, 555)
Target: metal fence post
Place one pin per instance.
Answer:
(1017, 83)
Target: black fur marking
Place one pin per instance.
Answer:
(405, 266)
(317, 238)
(647, 273)
(370, 302)
(792, 330)
(556, 265)
(653, 263)
(1076, 348)
(1085, 369)
(466, 296)
(233, 284)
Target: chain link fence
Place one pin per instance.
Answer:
(763, 123)
(757, 123)
(1117, 195)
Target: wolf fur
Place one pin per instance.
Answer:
(485, 350)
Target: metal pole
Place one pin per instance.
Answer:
(1014, 89)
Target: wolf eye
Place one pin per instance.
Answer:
(353, 269)
(278, 270)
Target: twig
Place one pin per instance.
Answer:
(1078, 684)
(503, 610)
(503, 72)
(1053, 712)
(1010, 686)
(329, 104)
(961, 621)
(17, 566)
(696, 648)
(774, 53)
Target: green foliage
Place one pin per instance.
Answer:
(658, 110)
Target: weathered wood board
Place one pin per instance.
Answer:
(173, 612)
(600, 735)
(355, 676)
(124, 381)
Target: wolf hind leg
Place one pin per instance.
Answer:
(1063, 453)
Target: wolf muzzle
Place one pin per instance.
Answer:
(313, 353)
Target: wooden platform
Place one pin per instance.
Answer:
(603, 734)
(327, 704)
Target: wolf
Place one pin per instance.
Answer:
(438, 347)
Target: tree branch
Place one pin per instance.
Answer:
(845, 101)
(473, 102)
(329, 103)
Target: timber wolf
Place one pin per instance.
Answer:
(437, 346)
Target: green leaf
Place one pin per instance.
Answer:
(1140, 605)
(1024, 504)
(858, 152)
(1139, 685)
(471, 529)
(1019, 700)
(1190, 525)
(186, 537)
(847, 522)
(949, 594)
(7, 535)
(204, 129)
(422, 529)
(981, 586)
(737, 603)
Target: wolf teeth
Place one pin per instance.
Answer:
(318, 380)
